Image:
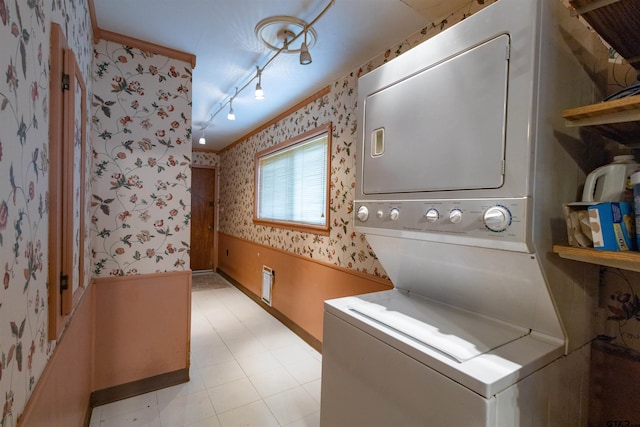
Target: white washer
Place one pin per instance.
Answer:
(462, 169)
(395, 359)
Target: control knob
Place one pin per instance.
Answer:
(394, 214)
(455, 216)
(363, 213)
(497, 218)
(432, 215)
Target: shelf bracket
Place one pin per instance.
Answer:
(592, 6)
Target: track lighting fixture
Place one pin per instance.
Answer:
(231, 115)
(259, 92)
(305, 56)
(278, 33)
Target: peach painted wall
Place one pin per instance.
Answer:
(61, 397)
(142, 327)
(301, 284)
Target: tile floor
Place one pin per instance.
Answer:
(247, 369)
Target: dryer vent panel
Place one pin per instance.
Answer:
(267, 284)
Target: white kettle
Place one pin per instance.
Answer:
(610, 183)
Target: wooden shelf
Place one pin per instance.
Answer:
(618, 119)
(627, 260)
(617, 22)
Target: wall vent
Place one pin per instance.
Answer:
(267, 284)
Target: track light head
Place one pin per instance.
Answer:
(231, 115)
(305, 56)
(259, 92)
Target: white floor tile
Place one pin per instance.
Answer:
(248, 369)
(147, 417)
(133, 404)
(305, 371)
(221, 374)
(298, 353)
(186, 410)
(210, 356)
(95, 416)
(233, 395)
(313, 388)
(274, 381)
(278, 339)
(194, 385)
(291, 405)
(205, 339)
(258, 363)
(312, 420)
(234, 332)
(245, 346)
(255, 414)
(207, 422)
(222, 320)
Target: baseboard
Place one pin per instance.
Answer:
(135, 388)
(295, 328)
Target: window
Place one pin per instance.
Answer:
(292, 182)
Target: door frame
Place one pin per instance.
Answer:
(216, 211)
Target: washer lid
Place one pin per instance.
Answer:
(458, 334)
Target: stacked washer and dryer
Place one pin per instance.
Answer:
(462, 170)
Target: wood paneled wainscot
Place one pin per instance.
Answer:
(142, 331)
(61, 396)
(300, 286)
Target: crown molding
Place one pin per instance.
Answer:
(100, 34)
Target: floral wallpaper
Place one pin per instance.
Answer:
(141, 148)
(620, 309)
(344, 246)
(24, 173)
(205, 159)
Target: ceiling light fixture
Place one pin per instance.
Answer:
(202, 141)
(259, 92)
(305, 56)
(283, 35)
(231, 115)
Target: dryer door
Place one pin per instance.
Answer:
(442, 128)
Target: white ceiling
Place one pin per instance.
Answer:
(221, 35)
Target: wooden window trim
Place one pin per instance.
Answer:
(69, 297)
(290, 225)
(62, 111)
(56, 106)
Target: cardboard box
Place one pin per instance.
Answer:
(612, 226)
(576, 215)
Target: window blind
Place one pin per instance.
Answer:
(292, 183)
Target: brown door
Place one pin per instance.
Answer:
(203, 184)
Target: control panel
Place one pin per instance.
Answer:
(489, 220)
